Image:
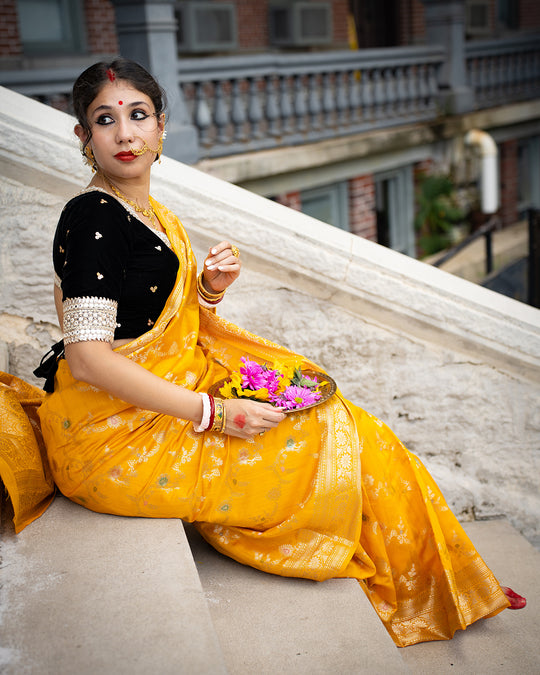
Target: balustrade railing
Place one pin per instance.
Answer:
(252, 102)
(504, 71)
(51, 86)
(263, 101)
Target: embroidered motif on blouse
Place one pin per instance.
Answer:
(89, 319)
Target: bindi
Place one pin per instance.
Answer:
(240, 421)
(120, 102)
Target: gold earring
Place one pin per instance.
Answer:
(89, 158)
(160, 147)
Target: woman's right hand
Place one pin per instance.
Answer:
(245, 418)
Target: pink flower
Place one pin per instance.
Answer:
(296, 397)
(255, 376)
(272, 378)
(252, 375)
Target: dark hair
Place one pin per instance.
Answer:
(92, 80)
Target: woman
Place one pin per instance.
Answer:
(130, 429)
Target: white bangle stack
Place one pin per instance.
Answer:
(205, 421)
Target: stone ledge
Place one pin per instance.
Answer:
(90, 593)
(4, 356)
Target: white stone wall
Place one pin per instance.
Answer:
(453, 368)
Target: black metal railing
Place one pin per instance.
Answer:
(534, 258)
(486, 231)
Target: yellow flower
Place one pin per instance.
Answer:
(259, 394)
(235, 382)
(287, 370)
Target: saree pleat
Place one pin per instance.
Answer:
(330, 492)
(24, 469)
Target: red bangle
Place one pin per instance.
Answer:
(212, 411)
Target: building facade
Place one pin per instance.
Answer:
(338, 108)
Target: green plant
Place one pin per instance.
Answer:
(437, 213)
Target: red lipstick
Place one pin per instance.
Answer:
(125, 156)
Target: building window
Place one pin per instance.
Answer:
(508, 14)
(528, 175)
(395, 210)
(328, 203)
(51, 26)
(206, 26)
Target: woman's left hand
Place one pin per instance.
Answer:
(221, 267)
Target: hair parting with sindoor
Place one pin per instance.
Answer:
(93, 79)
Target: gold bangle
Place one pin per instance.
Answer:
(224, 419)
(219, 417)
(201, 287)
(206, 295)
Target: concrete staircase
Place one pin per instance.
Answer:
(93, 594)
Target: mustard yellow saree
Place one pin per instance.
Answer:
(330, 492)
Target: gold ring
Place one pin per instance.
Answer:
(235, 251)
(261, 433)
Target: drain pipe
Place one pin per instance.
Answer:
(489, 182)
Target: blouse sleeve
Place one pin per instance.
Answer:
(91, 251)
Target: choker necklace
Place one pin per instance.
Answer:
(148, 213)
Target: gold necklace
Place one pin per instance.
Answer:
(148, 213)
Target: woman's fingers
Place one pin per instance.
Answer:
(224, 257)
(245, 419)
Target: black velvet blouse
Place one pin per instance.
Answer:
(115, 272)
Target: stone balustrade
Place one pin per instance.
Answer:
(502, 71)
(240, 104)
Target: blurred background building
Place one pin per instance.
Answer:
(354, 111)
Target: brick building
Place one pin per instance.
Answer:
(275, 111)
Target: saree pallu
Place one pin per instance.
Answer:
(330, 492)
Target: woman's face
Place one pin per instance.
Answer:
(122, 118)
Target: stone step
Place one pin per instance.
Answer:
(508, 643)
(93, 594)
(268, 625)
(272, 625)
(96, 594)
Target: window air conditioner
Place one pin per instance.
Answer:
(300, 24)
(477, 19)
(206, 26)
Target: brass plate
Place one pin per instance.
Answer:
(327, 388)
